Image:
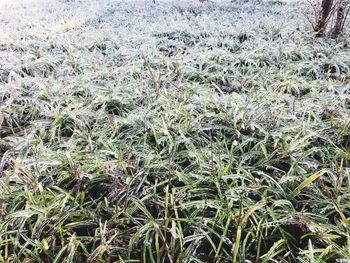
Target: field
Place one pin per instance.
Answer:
(172, 132)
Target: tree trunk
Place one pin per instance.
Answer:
(326, 8)
(340, 19)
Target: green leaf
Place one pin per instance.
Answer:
(307, 181)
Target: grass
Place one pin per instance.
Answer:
(220, 136)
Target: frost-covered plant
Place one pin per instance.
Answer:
(175, 132)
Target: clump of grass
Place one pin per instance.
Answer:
(220, 138)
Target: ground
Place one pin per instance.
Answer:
(172, 132)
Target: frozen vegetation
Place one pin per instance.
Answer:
(172, 132)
